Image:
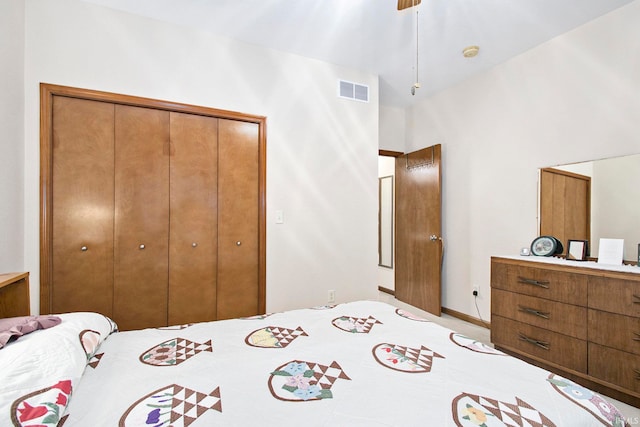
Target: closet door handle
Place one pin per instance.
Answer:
(543, 314)
(539, 283)
(537, 343)
(141, 246)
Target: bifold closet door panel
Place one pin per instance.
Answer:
(82, 219)
(193, 218)
(238, 218)
(141, 217)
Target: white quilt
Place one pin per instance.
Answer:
(363, 363)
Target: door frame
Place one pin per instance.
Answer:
(48, 91)
(394, 154)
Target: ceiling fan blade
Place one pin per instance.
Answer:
(404, 4)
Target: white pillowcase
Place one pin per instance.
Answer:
(49, 363)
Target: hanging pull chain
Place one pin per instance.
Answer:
(416, 85)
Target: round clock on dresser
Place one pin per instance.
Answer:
(546, 246)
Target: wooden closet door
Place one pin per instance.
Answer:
(193, 219)
(141, 217)
(82, 224)
(238, 219)
(565, 205)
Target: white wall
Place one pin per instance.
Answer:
(574, 98)
(392, 129)
(321, 159)
(11, 136)
(392, 138)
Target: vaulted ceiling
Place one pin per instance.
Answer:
(373, 36)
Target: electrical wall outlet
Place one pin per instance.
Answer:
(476, 290)
(331, 296)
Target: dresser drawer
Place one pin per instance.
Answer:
(615, 330)
(540, 282)
(615, 295)
(556, 316)
(548, 345)
(615, 366)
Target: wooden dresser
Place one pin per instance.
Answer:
(580, 320)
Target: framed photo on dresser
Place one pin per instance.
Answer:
(577, 250)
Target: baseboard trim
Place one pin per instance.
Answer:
(466, 317)
(386, 290)
(450, 312)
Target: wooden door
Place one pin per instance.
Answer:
(141, 260)
(82, 205)
(193, 231)
(565, 205)
(238, 219)
(418, 229)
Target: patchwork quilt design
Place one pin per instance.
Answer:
(274, 337)
(405, 359)
(302, 381)
(174, 352)
(469, 409)
(173, 405)
(355, 325)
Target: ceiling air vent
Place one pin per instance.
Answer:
(353, 91)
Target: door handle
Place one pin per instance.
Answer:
(435, 238)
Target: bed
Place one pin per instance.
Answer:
(363, 363)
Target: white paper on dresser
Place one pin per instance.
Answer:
(610, 251)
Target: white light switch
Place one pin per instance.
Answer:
(279, 217)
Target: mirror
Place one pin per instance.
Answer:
(385, 221)
(615, 201)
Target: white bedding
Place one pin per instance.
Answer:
(363, 363)
(39, 371)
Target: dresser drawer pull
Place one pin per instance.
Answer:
(637, 371)
(637, 336)
(541, 344)
(543, 314)
(636, 299)
(540, 283)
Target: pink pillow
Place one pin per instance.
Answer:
(19, 326)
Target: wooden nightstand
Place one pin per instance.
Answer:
(14, 295)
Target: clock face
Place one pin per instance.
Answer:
(544, 246)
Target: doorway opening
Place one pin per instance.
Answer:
(386, 223)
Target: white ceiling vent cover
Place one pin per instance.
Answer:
(353, 91)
